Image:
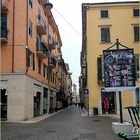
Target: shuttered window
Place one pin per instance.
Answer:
(105, 34)
(136, 33)
(99, 69)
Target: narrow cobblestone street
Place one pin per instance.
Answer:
(68, 124)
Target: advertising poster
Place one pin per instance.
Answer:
(119, 68)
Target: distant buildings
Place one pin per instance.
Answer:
(34, 76)
(102, 24)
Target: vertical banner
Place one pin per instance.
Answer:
(119, 68)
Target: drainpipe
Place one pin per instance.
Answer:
(13, 39)
(26, 36)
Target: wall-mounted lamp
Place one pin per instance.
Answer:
(48, 5)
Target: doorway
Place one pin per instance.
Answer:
(111, 97)
(45, 101)
(3, 104)
(37, 104)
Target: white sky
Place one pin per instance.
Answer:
(67, 14)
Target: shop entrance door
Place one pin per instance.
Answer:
(108, 106)
(37, 104)
(45, 101)
(3, 104)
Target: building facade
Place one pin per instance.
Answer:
(102, 24)
(30, 59)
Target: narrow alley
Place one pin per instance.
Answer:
(68, 124)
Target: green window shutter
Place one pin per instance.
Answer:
(99, 69)
(33, 59)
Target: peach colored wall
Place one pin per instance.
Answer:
(20, 38)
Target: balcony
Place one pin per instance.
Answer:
(52, 62)
(4, 35)
(41, 50)
(4, 7)
(52, 44)
(41, 26)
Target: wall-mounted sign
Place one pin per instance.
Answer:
(119, 68)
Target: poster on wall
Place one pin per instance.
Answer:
(119, 68)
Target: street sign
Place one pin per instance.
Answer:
(85, 91)
(119, 68)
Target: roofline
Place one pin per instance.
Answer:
(121, 2)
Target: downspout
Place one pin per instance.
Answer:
(26, 36)
(13, 39)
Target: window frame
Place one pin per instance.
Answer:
(105, 39)
(136, 13)
(31, 3)
(39, 66)
(136, 33)
(45, 74)
(104, 15)
(30, 28)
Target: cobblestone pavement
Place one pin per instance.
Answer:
(68, 124)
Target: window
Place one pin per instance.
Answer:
(137, 67)
(105, 34)
(39, 66)
(104, 13)
(136, 12)
(30, 59)
(45, 71)
(39, 14)
(4, 25)
(136, 33)
(31, 3)
(30, 27)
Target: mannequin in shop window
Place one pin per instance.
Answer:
(106, 105)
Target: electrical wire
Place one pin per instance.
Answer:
(74, 29)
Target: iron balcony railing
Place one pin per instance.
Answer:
(42, 48)
(4, 33)
(4, 5)
(41, 25)
(52, 62)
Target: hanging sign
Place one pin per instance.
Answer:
(119, 68)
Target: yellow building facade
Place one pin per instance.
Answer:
(102, 24)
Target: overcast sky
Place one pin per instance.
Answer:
(67, 14)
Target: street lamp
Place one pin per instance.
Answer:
(48, 5)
